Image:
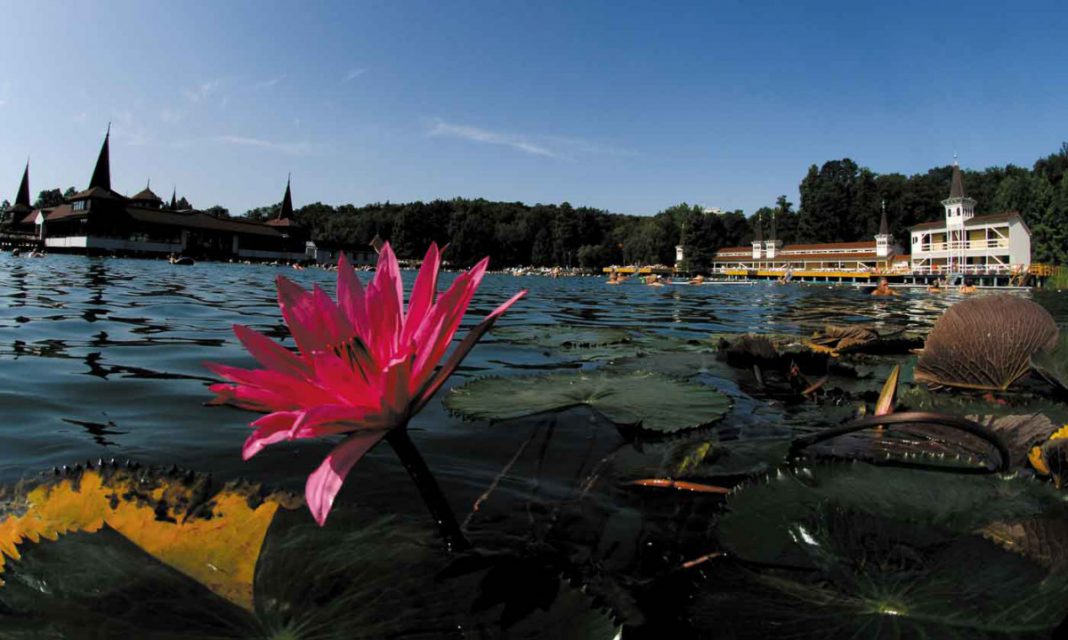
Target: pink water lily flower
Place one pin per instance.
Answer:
(366, 364)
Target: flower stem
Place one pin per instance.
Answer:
(428, 487)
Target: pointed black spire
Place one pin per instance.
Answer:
(956, 188)
(174, 199)
(102, 173)
(884, 229)
(759, 237)
(772, 226)
(286, 212)
(23, 197)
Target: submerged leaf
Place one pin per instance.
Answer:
(872, 575)
(389, 579)
(985, 343)
(650, 401)
(756, 526)
(211, 535)
(101, 585)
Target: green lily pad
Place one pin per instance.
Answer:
(1053, 364)
(872, 576)
(676, 364)
(384, 580)
(650, 401)
(757, 526)
(104, 582)
(563, 336)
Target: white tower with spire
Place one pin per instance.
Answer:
(883, 238)
(758, 238)
(959, 209)
(772, 245)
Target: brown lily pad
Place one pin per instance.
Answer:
(985, 343)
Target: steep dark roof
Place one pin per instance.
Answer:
(975, 221)
(759, 237)
(884, 229)
(102, 173)
(286, 212)
(956, 188)
(23, 197)
(174, 199)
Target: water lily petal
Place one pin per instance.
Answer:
(269, 353)
(300, 312)
(385, 295)
(351, 298)
(422, 298)
(433, 339)
(300, 389)
(461, 351)
(251, 398)
(324, 483)
(271, 428)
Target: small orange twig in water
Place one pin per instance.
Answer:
(689, 564)
(679, 485)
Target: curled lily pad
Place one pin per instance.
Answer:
(985, 343)
(839, 338)
(650, 401)
(1052, 364)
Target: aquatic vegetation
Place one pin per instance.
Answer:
(985, 343)
(756, 526)
(857, 550)
(650, 402)
(1051, 457)
(1052, 364)
(838, 338)
(888, 396)
(873, 575)
(383, 577)
(914, 439)
(366, 365)
(211, 534)
(564, 336)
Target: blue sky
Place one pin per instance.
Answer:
(627, 106)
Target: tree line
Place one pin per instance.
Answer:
(841, 201)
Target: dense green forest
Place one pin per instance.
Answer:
(840, 201)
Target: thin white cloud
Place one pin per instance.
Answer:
(353, 74)
(295, 148)
(203, 91)
(129, 130)
(267, 84)
(171, 116)
(440, 128)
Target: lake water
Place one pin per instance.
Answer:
(102, 358)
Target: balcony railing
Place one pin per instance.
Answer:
(965, 245)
